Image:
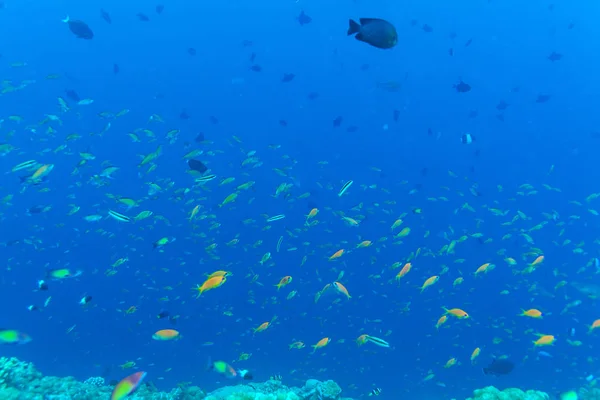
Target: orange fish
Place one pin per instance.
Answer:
(595, 325)
(194, 212)
(537, 261)
(42, 171)
(210, 283)
(364, 243)
(313, 213)
(362, 339)
(441, 321)
(483, 269)
(405, 270)
(430, 281)
(286, 280)
(458, 281)
(166, 334)
(544, 340)
(450, 363)
(475, 354)
(262, 327)
(342, 289)
(337, 254)
(533, 313)
(457, 312)
(321, 343)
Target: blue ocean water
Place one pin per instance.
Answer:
(416, 160)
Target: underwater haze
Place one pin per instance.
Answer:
(396, 205)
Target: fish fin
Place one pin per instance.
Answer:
(353, 28)
(359, 37)
(67, 19)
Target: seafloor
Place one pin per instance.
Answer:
(20, 380)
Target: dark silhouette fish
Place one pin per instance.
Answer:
(374, 31)
(159, 9)
(502, 105)
(197, 166)
(554, 56)
(303, 19)
(542, 98)
(105, 16)
(73, 95)
(287, 78)
(462, 87)
(116, 69)
(184, 115)
(79, 28)
(499, 367)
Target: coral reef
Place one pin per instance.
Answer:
(589, 393)
(275, 390)
(21, 381)
(491, 393)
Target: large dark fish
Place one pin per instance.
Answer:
(376, 32)
(499, 367)
(79, 28)
(197, 165)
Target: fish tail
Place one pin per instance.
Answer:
(353, 28)
(66, 20)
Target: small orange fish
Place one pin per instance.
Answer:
(430, 281)
(544, 340)
(42, 171)
(441, 321)
(458, 281)
(166, 334)
(342, 289)
(537, 261)
(286, 280)
(210, 283)
(364, 243)
(337, 254)
(362, 339)
(457, 312)
(475, 354)
(262, 327)
(313, 213)
(532, 313)
(321, 343)
(483, 269)
(595, 325)
(405, 270)
(450, 363)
